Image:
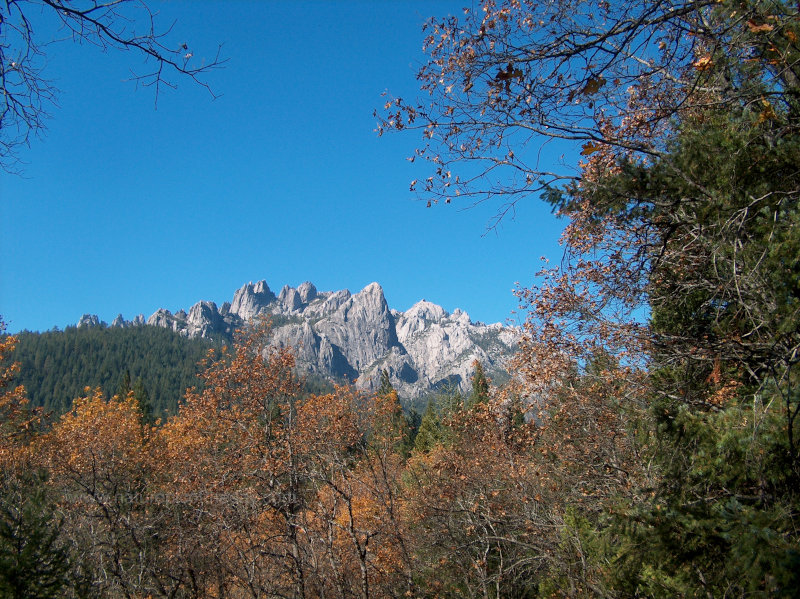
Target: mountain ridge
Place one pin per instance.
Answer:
(353, 336)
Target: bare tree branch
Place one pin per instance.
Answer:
(28, 96)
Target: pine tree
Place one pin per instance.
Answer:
(480, 386)
(385, 386)
(143, 400)
(34, 564)
(431, 430)
(124, 386)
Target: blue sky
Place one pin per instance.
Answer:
(126, 208)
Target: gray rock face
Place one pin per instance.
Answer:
(445, 346)
(362, 327)
(307, 292)
(165, 319)
(251, 299)
(138, 321)
(89, 320)
(204, 320)
(354, 337)
(290, 299)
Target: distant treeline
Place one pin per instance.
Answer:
(156, 363)
(56, 366)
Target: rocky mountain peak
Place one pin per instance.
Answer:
(354, 337)
(89, 320)
(251, 299)
(290, 299)
(307, 291)
(362, 327)
(204, 319)
(426, 310)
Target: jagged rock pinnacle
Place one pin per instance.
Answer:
(354, 337)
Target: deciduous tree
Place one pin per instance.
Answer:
(671, 320)
(100, 469)
(34, 561)
(122, 25)
(17, 422)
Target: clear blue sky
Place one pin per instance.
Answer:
(123, 208)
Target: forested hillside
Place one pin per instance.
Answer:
(158, 364)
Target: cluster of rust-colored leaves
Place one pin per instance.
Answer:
(249, 491)
(255, 490)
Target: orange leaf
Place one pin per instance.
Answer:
(703, 63)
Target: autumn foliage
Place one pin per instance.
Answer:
(647, 444)
(659, 357)
(17, 423)
(254, 489)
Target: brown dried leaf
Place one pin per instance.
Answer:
(593, 85)
(755, 28)
(590, 148)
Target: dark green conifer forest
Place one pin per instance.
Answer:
(155, 363)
